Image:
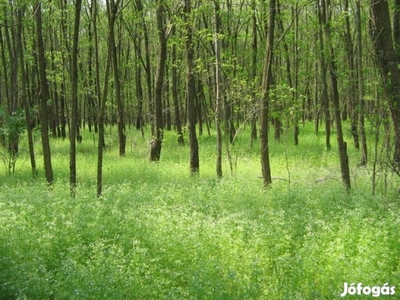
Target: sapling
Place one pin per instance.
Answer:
(12, 126)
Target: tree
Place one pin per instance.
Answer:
(324, 69)
(156, 143)
(360, 85)
(387, 61)
(112, 13)
(354, 102)
(217, 47)
(342, 146)
(74, 109)
(175, 93)
(253, 75)
(43, 94)
(191, 91)
(101, 98)
(266, 87)
(24, 91)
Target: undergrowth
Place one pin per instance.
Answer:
(159, 233)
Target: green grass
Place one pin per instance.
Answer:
(159, 233)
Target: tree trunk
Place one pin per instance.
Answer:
(44, 95)
(217, 111)
(101, 98)
(147, 65)
(156, 143)
(175, 96)
(191, 91)
(112, 11)
(354, 103)
(388, 62)
(139, 89)
(24, 91)
(324, 70)
(254, 50)
(342, 146)
(267, 82)
(74, 106)
(360, 85)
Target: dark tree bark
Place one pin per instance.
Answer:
(13, 95)
(146, 62)
(53, 118)
(24, 98)
(324, 70)
(65, 60)
(388, 62)
(360, 85)
(43, 94)
(342, 146)
(191, 91)
(4, 64)
(74, 106)
(91, 103)
(112, 12)
(139, 89)
(156, 143)
(217, 111)
(289, 73)
(167, 102)
(254, 50)
(175, 96)
(354, 103)
(266, 86)
(100, 98)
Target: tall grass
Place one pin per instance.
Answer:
(159, 233)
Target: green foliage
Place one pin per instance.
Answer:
(158, 233)
(12, 126)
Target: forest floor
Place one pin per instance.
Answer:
(159, 233)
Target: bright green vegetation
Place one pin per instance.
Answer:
(159, 233)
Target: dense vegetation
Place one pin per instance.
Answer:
(158, 232)
(279, 124)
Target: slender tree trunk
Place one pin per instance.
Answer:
(155, 146)
(167, 102)
(13, 103)
(175, 95)
(295, 14)
(324, 70)
(4, 63)
(342, 146)
(289, 74)
(267, 82)
(360, 87)
(24, 91)
(191, 91)
(44, 95)
(91, 105)
(112, 11)
(217, 112)
(74, 106)
(354, 103)
(101, 143)
(254, 50)
(101, 98)
(13, 69)
(147, 64)
(139, 91)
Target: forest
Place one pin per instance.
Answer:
(189, 149)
